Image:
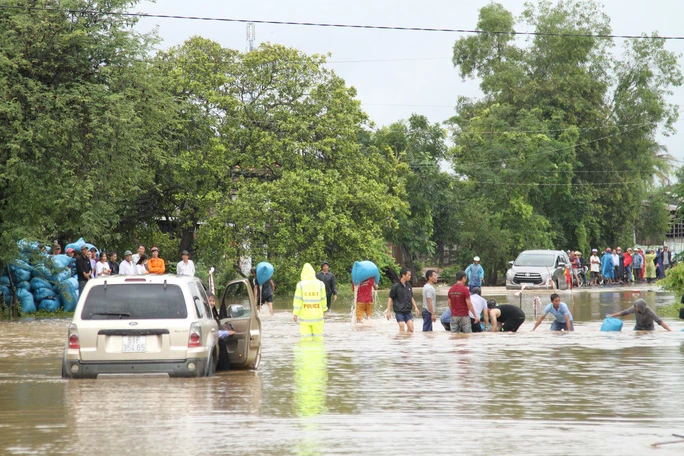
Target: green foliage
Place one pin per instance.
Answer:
(674, 279)
(79, 116)
(560, 151)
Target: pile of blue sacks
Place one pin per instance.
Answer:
(42, 281)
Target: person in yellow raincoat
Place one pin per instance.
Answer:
(310, 304)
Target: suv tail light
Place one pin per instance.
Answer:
(74, 341)
(195, 337)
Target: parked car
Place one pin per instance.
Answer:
(145, 325)
(538, 269)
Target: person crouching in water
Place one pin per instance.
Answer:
(505, 318)
(563, 317)
(309, 305)
(480, 307)
(644, 315)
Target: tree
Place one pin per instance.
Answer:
(562, 143)
(80, 116)
(282, 175)
(417, 148)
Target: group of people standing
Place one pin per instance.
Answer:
(89, 264)
(633, 266)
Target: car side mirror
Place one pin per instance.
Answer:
(561, 265)
(510, 263)
(235, 311)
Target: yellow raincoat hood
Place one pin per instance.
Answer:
(308, 272)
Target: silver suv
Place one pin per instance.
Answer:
(151, 324)
(538, 269)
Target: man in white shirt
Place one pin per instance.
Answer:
(429, 300)
(595, 267)
(479, 305)
(127, 267)
(141, 251)
(185, 267)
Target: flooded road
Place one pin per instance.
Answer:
(367, 389)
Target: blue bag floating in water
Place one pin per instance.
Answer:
(24, 285)
(25, 297)
(264, 271)
(49, 305)
(364, 270)
(611, 324)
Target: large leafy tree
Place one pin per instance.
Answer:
(266, 158)
(80, 117)
(562, 145)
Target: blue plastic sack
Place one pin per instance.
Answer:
(24, 285)
(364, 270)
(5, 281)
(20, 274)
(44, 293)
(264, 271)
(68, 294)
(39, 282)
(75, 245)
(62, 276)
(26, 247)
(61, 261)
(49, 305)
(611, 324)
(25, 297)
(43, 272)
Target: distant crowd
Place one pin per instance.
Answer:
(90, 264)
(615, 267)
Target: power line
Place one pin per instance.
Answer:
(350, 26)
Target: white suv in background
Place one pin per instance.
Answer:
(147, 324)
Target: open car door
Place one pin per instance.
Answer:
(238, 307)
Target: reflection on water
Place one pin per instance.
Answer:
(367, 389)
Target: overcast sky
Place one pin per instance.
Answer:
(396, 73)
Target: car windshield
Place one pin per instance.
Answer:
(536, 259)
(134, 302)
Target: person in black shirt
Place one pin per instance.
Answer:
(113, 264)
(505, 317)
(328, 278)
(401, 300)
(83, 269)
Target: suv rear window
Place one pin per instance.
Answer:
(134, 302)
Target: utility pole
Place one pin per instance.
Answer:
(250, 36)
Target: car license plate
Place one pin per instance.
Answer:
(133, 344)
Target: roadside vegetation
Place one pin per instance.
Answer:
(269, 154)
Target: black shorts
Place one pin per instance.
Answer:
(512, 324)
(266, 299)
(475, 326)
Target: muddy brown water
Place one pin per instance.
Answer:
(367, 390)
